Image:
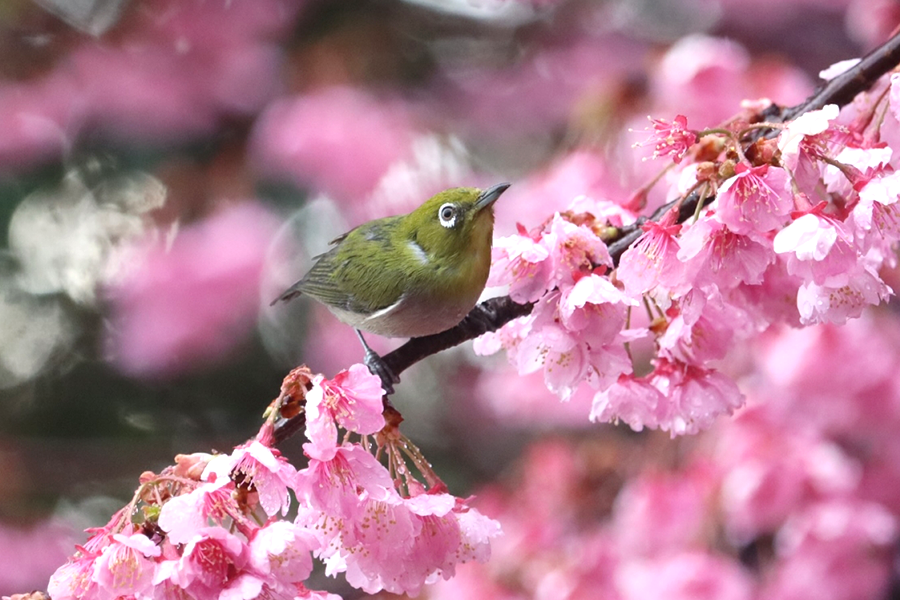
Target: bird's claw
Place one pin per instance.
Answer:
(377, 366)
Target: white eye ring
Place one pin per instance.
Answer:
(447, 215)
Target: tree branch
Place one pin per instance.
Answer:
(840, 90)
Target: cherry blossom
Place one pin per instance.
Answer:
(74, 580)
(714, 254)
(632, 400)
(210, 561)
(756, 199)
(281, 550)
(126, 566)
(594, 309)
(670, 138)
(876, 217)
(574, 251)
(566, 357)
(259, 467)
(844, 299)
(335, 485)
(182, 517)
(523, 264)
(701, 328)
(817, 247)
(351, 400)
(807, 125)
(653, 259)
(694, 396)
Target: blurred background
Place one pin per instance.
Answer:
(168, 167)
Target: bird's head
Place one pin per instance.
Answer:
(455, 222)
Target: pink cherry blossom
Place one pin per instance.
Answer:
(575, 250)
(808, 124)
(701, 328)
(695, 396)
(861, 165)
(653, 259)
(507, 337)
(670, 138)
(632, 400)
(372, 549)
(756, 199)
(876, 217)
(816, 247)
(416, 542)
(125, 567)
(565, 358)
(210, 561)
(306, 594)
(595, 309)
(844, 299)
(715, 255)
(260, 467)
(772, 301)
(246, 586)
(522, 263)
(352, 400)
(335, 486)
(281, 550)
(183, 516)
(74, 580)
(894, 96)
(381, 541)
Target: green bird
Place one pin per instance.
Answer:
(410, 275)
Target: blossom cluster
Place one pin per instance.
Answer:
(796, 497)
(214, 526)
(797, 232)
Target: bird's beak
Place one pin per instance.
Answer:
(490, 195)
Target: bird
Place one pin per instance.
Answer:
(408, 275)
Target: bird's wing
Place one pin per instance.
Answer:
(360, 274)
(298, 287)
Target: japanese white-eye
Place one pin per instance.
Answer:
(410, 275)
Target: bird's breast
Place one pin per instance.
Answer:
(435, 299)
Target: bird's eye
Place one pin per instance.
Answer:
(447, 215)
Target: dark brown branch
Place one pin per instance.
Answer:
(490, 315)
(843, 89)
(840, 90)
(493, 314)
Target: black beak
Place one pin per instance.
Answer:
(490, 195)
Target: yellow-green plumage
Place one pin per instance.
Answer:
(409, 275)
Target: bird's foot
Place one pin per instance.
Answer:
(377, 366)
(480, 319)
